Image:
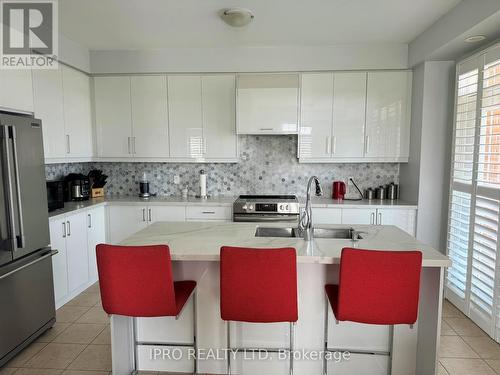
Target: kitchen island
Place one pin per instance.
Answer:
(195, 249)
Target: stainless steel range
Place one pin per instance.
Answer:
(266, 208)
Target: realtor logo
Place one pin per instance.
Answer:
(29, 34)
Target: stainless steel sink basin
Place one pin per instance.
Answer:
(333, 233)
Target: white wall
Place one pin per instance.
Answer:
(426, 177)
(73, 54)
(249, 59)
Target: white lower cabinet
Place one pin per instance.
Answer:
(327, 215)
(126, 220)
(59, 261)
(74, 237)
(77, 251)
(96, 234)
(403, 218)
(362, 216)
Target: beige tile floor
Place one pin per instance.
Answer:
(80, 344)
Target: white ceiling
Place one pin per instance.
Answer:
(151, 24)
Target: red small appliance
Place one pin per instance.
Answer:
(338, 190)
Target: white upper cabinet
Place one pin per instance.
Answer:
(316, 116)
(77, 113)
(388, 115)
(62, 101)
(48, 100)
(149, 116)
(16, 93)
(219, 127)
(349, 99)
(355, 117)
(113, 116)
(185, 117)
(267, 103)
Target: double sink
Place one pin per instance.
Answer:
(332, 233)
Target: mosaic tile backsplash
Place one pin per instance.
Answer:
(268, 165)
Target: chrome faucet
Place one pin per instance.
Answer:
(305, 223)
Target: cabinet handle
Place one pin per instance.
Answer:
(133, 145)
(334, 144)
(379, 218)
(68, 145)
(143, 214)
(208, 212)
(372, 218)
(328, 146)
(64, 229)
(128, 145)
(149, 214)
(69, 228)
(266, 129)
(90, 220)
(367, 144)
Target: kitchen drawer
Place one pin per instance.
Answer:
(359, 364)
(323, 215)
(203, 213)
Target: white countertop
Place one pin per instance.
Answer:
(201, 241)
(70, 207)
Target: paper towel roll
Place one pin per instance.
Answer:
(203, 184)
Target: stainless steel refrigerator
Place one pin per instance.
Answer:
(26, 284)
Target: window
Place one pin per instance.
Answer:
(473, 282)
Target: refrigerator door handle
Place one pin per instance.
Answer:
(21, 240)
(8, 185)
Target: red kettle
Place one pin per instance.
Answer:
(338, 190)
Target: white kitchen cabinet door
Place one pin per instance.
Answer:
(315, 137)
(113, 117)
(77, 113)
(57, 229)
(125, 221)
(185, 117)
(96, 234)
(349, 99)
(149, 116)
(166, 213)
(219, 126)
(388, 115)
(402, 218)
(323, 215)
(77, 251)
(48, 102)
(16, 91)
(359, 216)
(267, 103)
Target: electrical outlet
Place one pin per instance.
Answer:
(177, 179)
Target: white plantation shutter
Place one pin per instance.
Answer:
(461, 183)
(473, 281)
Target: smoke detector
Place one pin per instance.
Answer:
(236, 17)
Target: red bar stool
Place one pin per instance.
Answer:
(258, 286)
(137, 281)
(375, 287)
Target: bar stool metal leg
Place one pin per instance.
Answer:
(325, 347)
(292, 339)
(228, 324)
(134, 340)
(195, 333)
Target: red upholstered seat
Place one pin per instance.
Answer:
(137, 281)
(377, 287)
(258, 285)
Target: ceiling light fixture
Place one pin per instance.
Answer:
(236, 17)
(475, 38)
